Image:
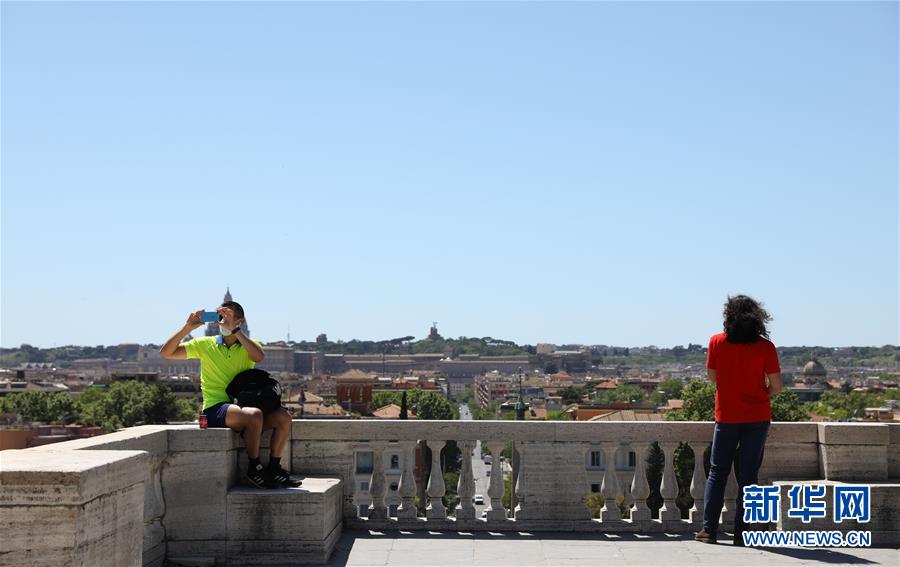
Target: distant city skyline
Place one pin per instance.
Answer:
(592, 173)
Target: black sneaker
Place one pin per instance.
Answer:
(261, 478)
(282, 477)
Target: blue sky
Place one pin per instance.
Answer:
(598, 173)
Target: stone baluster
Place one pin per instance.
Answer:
(520, 482)
(640, 488)
(495, 490)
(407, 488)
(669, 487)
(436, 489)
(698, 486)
(730, 507)
(377, 510)
(609, 490)
(466, 486)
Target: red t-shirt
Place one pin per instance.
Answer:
(741, 395)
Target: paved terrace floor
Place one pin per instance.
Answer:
(367, 548)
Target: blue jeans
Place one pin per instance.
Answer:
(741, 444)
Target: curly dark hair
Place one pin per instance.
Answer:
(745, 320)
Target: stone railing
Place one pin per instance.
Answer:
(147, 494)
(552, 484)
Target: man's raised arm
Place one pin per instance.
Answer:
(172, 348)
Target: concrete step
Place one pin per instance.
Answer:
(285, 526)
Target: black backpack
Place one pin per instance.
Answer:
(254, 388)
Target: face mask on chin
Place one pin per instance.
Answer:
(225, 332)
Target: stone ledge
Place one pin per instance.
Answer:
(512, 525)
(854, 433)
(309, 512)
(190, 438)
(53, 478)
(151, 438)
(283, 553)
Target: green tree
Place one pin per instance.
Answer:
(843, 407)
(570, 395)
(699, 402)
(404, 410)
(43, 407)
(668, 390)
(623, 393)
(129, 403)
(432, 405)
(786, 406)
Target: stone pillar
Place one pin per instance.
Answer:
(421, 481)
(698, 487)
(609, 490)
(730, 507)
(519, 486)
(466, 486)
(436, 489)
(377, 510)
(407, 488)
(640, 488)
(669, 487)
(496, 512)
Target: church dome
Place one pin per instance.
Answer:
(813, 368)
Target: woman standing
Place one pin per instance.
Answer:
(743, 364)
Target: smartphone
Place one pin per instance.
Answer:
(209, 316)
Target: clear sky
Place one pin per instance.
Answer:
(599, 173)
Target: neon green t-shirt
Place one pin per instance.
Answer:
(219, 364)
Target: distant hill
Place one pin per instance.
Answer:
(870, 357)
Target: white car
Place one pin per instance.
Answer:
(479, 499)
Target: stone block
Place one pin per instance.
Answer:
(288, 553)
(154, 439)
(386, 430)
(99, 532)
(154, 539)
(553, 482)
(633, 432)
(191, 553)
(789, 461)
(195, 485)
(893, 450)
(309, 512)
(29, 477)
(793, 432)
(155, 556)
(327, 458)
(37, 535)
(190, 438)
(285, 526)
(109, 530)
(854, 433)
(854, 462)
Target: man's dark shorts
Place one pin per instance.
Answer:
(215, 415)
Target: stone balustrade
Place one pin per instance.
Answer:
(552, 484)
(147, 494)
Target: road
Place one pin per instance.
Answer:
(479, 469)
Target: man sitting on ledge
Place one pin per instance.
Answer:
(221, 359)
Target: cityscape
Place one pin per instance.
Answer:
(449, 284)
